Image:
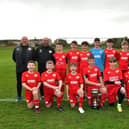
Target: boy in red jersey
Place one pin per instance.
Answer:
(109, 52)
(93, 79)
(115, 85)
(60, 66)
(31, 83)
(124, 57)
(84, 56)
(52, 86)
(74, 87)
(73, 55)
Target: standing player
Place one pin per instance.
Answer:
(123, 57)
(73, 55)
(98, 54)
(109, 52)
(31, 83)
(74, 87)
(114, 82)
(93, 79)
(84, 56)
(52, 86)
(60, 66)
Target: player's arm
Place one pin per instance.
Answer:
(38, 84)
(60, 84)
(49, 85)
(67, 91)
(101, 82)
(90, 82)
(26, 86)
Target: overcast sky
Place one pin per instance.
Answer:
(64, 18)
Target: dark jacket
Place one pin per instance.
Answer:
(21, 55)
(42, 54)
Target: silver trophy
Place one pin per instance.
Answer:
(95, 103)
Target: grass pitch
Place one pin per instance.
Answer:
(16, 115)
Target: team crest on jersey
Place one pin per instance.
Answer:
(45, 75)
(36, 75)
(69, 77)
(126, 75)
(117, 71)
(17, 49)
(96, 69)
(77, 77)
(77, 52)
(29, 49)
(27, 75)
(60, 59)
(80, 54)
(50, 51)
(113, 51)
(54, 75)
(88, 71)
(127, 54)
(40, 50)
(71, 100)
(63, 56)
(109, 72)
(88, 54)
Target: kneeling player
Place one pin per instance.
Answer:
(52, 86)
(114, 82)
(31, 83)
(93, 79)
(74, 87)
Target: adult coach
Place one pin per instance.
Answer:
(98, 54)
(43, 53)
(21, 55)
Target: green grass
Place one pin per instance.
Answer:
(16, 115)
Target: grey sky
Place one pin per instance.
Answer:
(70, 15)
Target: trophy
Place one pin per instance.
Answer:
(95, 103)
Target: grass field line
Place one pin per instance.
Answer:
(14, 100)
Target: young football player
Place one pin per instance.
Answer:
(98, 54)
(93, 80)
(84, 56)
(73, 55)
(60, 66)
(115, 85)
(52, 86)
(31, 83)
(109, 52)
(74, 87)
(123, 57)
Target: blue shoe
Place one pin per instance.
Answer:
(19, 98)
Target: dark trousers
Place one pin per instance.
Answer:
(19, 85)
(41, 88)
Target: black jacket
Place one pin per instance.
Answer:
(21, 55)
(42, 54)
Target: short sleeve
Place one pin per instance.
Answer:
(43, 78)
(24, 77)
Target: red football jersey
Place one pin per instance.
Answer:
(92, 74)
(123, 60)
(50, 78)
(60, 60)
(84, 60)
(73, 56)
(31, 79)
(108, 54)
(74, 81)
(112, 75)
(126, 78)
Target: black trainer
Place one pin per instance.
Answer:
(60, 109)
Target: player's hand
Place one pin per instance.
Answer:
(117, 82)
(103, 89)
(58, 93)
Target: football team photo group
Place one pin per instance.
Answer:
(96, 76)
